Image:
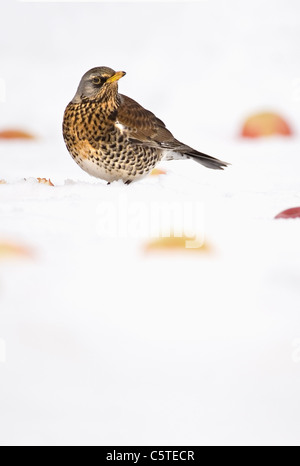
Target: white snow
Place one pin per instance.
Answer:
(105, 343)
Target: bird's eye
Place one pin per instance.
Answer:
(97, 81)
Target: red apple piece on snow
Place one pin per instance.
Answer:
(265, 124)
(289, 213)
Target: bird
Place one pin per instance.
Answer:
(113, 137)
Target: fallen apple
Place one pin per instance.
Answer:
(289, 213)
(8, 250)
(265, 124)
(157, 172)
(178, 243)
(15, 134)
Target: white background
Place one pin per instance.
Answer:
(106, 345)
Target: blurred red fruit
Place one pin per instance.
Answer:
(15, 134)
(8, 250)
(265, 124)
(290, 213)
(173, 243)
(157, 172)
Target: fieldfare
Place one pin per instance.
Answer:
(112, 137)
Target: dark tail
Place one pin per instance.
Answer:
(206, 160)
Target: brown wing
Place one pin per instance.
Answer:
(142, 126)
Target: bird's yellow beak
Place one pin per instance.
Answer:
(118, 75)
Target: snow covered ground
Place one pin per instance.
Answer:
(109, 344)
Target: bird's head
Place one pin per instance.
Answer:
(98, 84)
